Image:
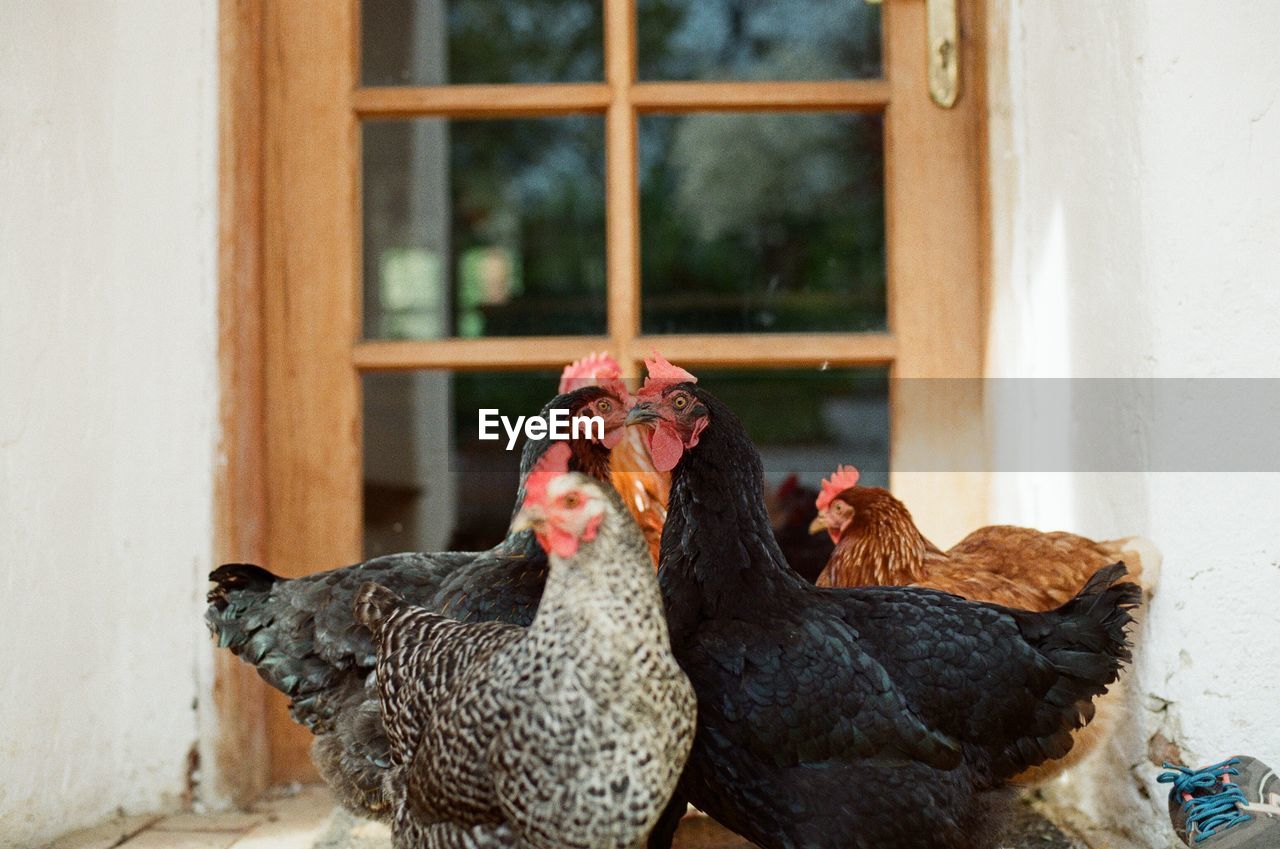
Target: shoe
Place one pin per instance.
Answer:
(1234, 804)
(1258, 782)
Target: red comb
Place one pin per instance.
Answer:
(591, 370)
(615, 387)
(844, 478)
(661, 373)
(553, 463)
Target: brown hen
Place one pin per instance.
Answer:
(878, 543)
(643, 488)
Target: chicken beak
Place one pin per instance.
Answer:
(530, 517)
(641, 414)
(818, 525)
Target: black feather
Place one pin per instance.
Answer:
(863, 717)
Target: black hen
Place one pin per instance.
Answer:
(302, 636)
(850, 717)
(790, 507)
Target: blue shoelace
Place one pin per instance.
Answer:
(1218, 810)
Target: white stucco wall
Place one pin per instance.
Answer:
(108, 403)
(1137, 233)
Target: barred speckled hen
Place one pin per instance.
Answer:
(303, 639)
(568, 733)
(865, 717)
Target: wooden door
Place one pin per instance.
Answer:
(299, 106)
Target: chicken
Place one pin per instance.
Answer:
(878, 543)
(301, 636)
(568, 733)
(644, 490)
(864, 717)
(790, 506)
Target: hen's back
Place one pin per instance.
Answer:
(1010, 685)
(1050, 566)
(879, 716)
(301, 635)
(441, 691)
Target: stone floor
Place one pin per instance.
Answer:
(305, 818)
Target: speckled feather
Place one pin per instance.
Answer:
(301, 635)
(857, 717)
(570, 733)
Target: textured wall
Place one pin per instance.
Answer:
(1137, 233)
(107, 403)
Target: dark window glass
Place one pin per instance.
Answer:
(757, 222)
(807, 421)
(430, 484)
(483, 228)
(433, 42)
(758, 39)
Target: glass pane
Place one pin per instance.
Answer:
(430, 484)
(434, 42)
(833, 416)
(758, 39)
(762, 222)
(484, 228)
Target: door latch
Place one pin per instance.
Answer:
(943, 35)
(944, 52)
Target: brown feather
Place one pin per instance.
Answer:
(643, 488)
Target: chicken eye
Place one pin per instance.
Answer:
(604, 406)
(680, 402)
(571, 501)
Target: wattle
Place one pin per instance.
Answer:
(559, 543)
(665, 447)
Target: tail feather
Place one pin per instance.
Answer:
(1085, 641)
(1142, 559)
(238, 608)
(244, 577)
(374, 605)
(247, 616)
(1141, 556)
(300, 636)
